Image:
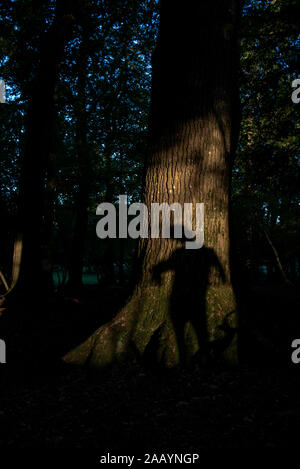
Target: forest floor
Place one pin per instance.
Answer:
(257, 405)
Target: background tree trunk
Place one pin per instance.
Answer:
(184, 303)
(84, 168)
(41, 115)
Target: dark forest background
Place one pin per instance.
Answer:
(99, 137)
(99, 66)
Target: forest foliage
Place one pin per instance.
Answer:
(103, 92)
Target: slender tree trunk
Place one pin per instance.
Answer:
(38, 147)
(121, 241)
(184, 303)
(108, 258)
(49, 207)
(276, 255)
(81, 222)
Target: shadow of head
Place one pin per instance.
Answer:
(191, 240)
(189, 265)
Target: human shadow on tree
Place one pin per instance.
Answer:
(193, 270)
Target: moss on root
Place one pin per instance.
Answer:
(132, 328)
(222, 321)
(145, 325)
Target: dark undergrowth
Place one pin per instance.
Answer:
(45, 404)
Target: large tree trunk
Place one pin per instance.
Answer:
(184, 304)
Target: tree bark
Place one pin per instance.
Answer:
(184, 305)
